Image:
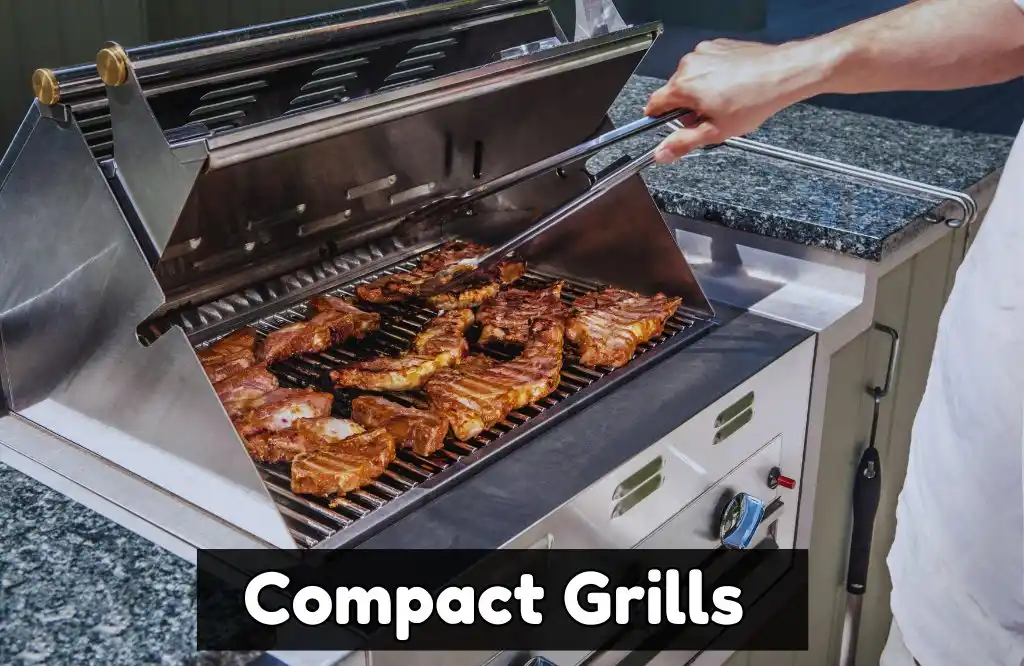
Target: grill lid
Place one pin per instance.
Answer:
(214, 196)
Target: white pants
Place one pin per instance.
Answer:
(895, 652)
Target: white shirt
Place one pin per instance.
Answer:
(957, 563)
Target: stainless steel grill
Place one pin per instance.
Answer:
(200, 185)
(317, 522)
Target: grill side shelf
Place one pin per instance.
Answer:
(412, 479)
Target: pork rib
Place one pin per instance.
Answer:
(473, 399)
(606, 326)
(507, 317)
(229, 355)
(342, 466)
(248, 384)
(440, 345)
(279, 409)
(406, 286)
(336, 320)
(421, 431)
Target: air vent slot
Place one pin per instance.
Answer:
(734, 417)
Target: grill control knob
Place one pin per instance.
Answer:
(740, 520)
(776, 479)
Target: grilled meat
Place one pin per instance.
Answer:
(239, 342)
(507, 317)
(336, 321)
(327, 429)
(278, 446)
(475, 397)
(229, 355)
(304, 436)
(343, 466)
(246, 385)
(343, 318)
(219, 371)
(440, 345)
(279, 409)
(405, 286)
(608, 325)
(415, 429)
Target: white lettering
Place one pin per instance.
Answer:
(624, 595)
(364, 599)
(252, 598)
(695, 592)
(601, 600)
(486, 605)
(300, 605)
(729, 611)
(527, 593)
(464, 613)
(405, 615)
(673, 613)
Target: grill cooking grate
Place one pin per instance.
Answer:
(314, 521)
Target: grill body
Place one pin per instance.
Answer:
(234, 188)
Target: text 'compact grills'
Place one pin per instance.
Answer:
(198, 186)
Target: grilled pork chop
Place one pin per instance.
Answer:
(507, 316)
(608, 325)
(336, 320)
(415, 429)
(279, 446)
(246, 385)
(474, 398)
(304, 436)
(229, 355)
(343, 466)
(279, 409)
(405, 286)
(440, 345)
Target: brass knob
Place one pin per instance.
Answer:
(112, 65)
(45, 86)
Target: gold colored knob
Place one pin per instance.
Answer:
(45, 86)
(112, 65)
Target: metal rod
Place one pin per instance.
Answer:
(967, 204)
(174, 57)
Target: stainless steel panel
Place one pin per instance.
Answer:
(691, 464)
(73, 288)
(443, 135)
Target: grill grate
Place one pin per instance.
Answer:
(316, 522)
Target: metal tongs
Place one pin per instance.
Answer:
(467, 270)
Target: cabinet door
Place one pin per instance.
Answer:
(910, 299)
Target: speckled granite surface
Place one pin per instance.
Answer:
(781, 200)
(78, 589)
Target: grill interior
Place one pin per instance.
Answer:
(313, 521)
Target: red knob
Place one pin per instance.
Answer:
(776, 479)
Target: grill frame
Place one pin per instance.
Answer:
(412, 480)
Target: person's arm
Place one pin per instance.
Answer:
(926, 45)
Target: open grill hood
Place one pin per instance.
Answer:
(144, 217)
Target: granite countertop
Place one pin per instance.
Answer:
(76, 588)
(781, 200)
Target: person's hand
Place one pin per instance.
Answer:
(732, 87)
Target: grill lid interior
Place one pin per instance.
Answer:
(329, 174)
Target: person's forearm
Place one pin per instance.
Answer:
(926, 45)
